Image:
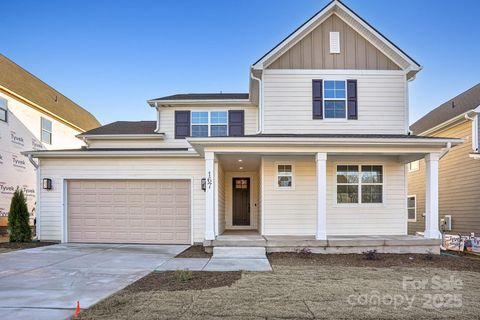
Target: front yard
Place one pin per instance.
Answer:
(308, 287)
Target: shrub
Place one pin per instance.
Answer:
(18, 218)
(184, 275)
(304, 253)
(370, 254)
(429, 256)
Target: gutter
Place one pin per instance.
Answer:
(260, 101)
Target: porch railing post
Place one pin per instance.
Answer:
(321, 160)
(431, 196)
(210, 196)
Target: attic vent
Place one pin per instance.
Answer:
(334, 42)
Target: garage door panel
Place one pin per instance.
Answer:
(129, 211)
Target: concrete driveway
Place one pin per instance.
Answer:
(46, 282)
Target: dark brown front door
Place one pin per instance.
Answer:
(241, 201)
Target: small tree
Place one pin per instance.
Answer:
(18, 218)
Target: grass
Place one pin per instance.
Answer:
(323, 287)
(13, 246)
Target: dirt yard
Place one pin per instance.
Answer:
(312, 287)
(13, 246)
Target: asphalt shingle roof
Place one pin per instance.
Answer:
(205, 96)
(125, 127)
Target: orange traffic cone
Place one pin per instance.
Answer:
(77, 310)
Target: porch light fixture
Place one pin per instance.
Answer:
(241, 168)
(204, 184)
(240, 160)
(47, 183)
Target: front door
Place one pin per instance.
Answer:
(241, 201)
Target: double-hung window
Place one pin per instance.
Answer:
(359, 184)
(284, 176)
(335, 99)
(412, 208)
(46, 131)
(209, 124)
(3, 110)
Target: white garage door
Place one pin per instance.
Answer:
(129, 211)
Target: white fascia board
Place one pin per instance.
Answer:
(452, 121)
(109, 154)
(173, 103)
(345, 72)
(152, 136)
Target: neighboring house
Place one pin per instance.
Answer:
(314, 154)
(459, 178)
(34, 116)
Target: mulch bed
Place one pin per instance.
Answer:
(197, 251)
(25, 245)
(456, 263)
(170, 281)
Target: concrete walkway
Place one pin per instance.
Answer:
(46, 282)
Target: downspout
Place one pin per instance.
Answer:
(30, 158)
(157, 129)
(475, 135)
(446, 150)
(260, 102)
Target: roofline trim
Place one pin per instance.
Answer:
(108, 154)
(414, 66)
(39, 108)
(168, 103)
(121, 136)
(455, 120)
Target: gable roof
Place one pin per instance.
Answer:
(462, 103)
(124, 127)
(204, 96)
(355, 21)
(19, 82)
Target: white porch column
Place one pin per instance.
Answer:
(431, 196)
(321, 160)
(210, 196)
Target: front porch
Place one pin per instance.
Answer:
(334, 244)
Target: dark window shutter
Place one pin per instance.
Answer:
(182, 124)
(317, 97)
(236, 123)
(352, 97)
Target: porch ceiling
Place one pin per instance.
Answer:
(239, 162)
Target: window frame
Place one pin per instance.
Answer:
(359, 184)
(209, 123)
(275, 181)
(42, 129)
(414, 196)
(410, 169)
(4, 110)
(334, 99)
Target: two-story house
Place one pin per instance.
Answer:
(314, 155)
(459, 170)
(35, 116)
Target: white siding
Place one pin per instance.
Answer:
(293, 212)
(381, 104)
(221, 199)
(51, 208)
(167, 122)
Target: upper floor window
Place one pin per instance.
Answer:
(3, 110)
(359, 184)
(335, 103)
(213, 124)
(413, 166)
(46, 131)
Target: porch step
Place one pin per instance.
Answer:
(240, 252)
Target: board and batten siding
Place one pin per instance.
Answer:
(313, 51)
(382, 104)
(459, 185)
(167, 122)
(293, 212)
(51, 209)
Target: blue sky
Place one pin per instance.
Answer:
(111, 56)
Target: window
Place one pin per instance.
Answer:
(334, 103)
(284, 176)
(413, 166)
(3, 110)
(412, 208)
(359, 184)
(213, 124)
(46, 131)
